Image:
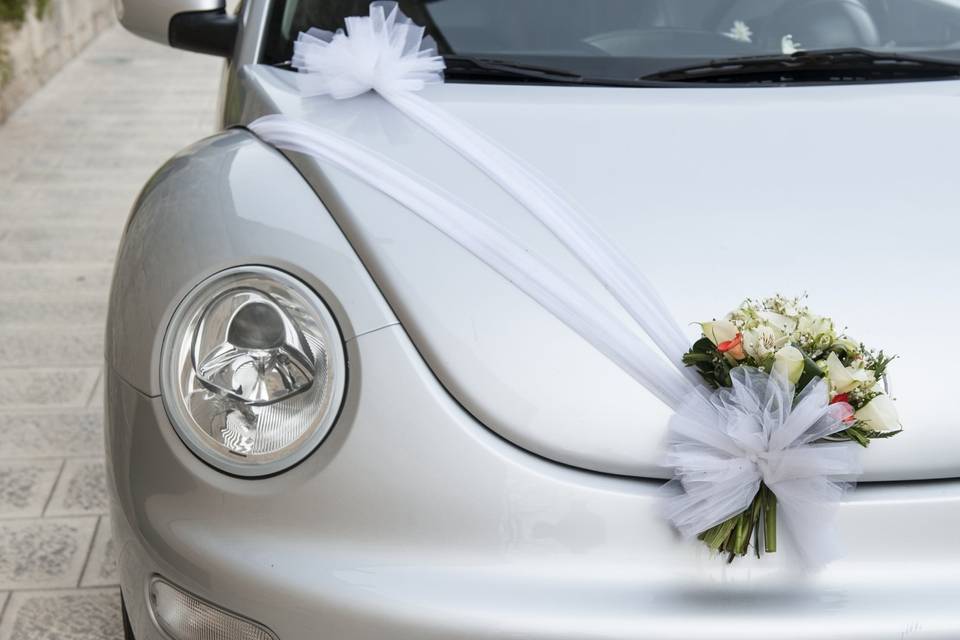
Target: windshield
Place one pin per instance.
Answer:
(623, 40)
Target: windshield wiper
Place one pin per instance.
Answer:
(825, 65)
(490, 68)
(480, 68)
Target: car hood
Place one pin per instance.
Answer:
(844, 193)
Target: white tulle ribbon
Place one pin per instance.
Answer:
(385, 52)
(723, 444)
(483, 237)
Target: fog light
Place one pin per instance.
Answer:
(186, 617)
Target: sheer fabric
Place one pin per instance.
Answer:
(722, 444)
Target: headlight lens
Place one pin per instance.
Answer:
(253, 370)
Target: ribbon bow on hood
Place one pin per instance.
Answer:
(723, 445)
(385, 52)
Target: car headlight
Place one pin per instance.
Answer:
(253, 370)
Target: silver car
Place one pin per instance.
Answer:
(328, 421)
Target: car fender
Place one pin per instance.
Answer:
(229, 200)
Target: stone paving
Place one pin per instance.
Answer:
(72, 160)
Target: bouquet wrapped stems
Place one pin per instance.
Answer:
(769, 361)
(732, 536)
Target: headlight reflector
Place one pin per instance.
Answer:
(253, 370)
(262, 356)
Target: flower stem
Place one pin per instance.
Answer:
(733, 536)
(742, 534)
(717, 536)
(769, 519)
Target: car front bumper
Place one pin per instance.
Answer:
(413, 521)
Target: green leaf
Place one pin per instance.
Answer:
(810, 371)
(857, 435)
(861, 434)
(704, 345)
(880, 435)
(692, 357)
(712, 366)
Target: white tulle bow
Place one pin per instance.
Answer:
(723, 445)
(383, 52)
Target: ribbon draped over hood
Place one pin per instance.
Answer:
(722, 444)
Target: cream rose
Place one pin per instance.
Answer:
(844, 379)
(880, 414)
(788, 362)
(719, 331)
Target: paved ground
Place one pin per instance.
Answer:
(71, 162)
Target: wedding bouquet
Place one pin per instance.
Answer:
(780, 338)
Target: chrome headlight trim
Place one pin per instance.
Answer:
(323, 399)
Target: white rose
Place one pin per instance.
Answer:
(880, 414)
(719, 331)
(788, 362)
(844, 379)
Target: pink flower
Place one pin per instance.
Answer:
(842, 409)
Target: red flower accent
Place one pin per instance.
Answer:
(727, 345)
(733, 347)
(843, 397)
